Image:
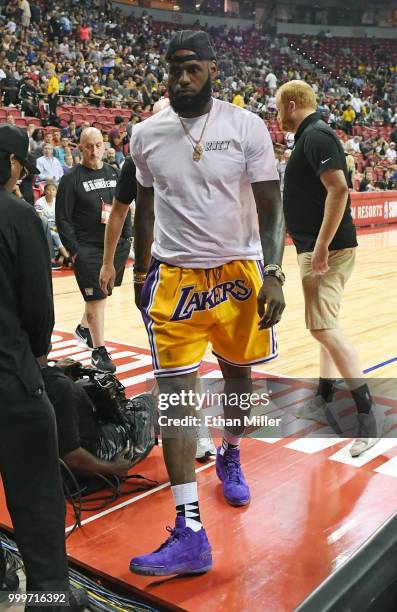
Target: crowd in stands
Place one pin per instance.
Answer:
(66, 66)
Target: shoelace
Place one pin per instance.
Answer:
(175, 536)
(232, 468)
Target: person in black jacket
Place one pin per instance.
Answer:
(28, 97)
(29, 464)
(84, 201)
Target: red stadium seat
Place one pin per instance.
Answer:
(21, 121)
(34, 120)
(90, 117)
(15, 112)
(78, 118)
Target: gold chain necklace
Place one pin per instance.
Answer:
(196, 144)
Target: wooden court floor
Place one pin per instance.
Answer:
(368, 314)
(312, 505)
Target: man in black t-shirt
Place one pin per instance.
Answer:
(318, 218)
(126, 183)
(126, 188)
(28, 97)
(83, 204)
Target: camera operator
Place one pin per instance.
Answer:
(88, 443)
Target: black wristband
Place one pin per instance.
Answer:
(139, 270)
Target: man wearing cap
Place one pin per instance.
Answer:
(29, 464)
(206, 173)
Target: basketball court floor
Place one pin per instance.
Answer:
(312, 505)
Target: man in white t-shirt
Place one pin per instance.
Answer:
(11, 27)
(271, 81)
(353, 144)
(206, 174)
(390, 153)
(357, 104)
(108, 58)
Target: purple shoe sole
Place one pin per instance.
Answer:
(163, 571)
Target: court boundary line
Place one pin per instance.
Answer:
(128, 502)
(376, 366)
(145, 348)
(382, 364)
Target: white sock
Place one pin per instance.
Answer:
(229, 440)
(186, 504)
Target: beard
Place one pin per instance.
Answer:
(194, 103)
(286, 125)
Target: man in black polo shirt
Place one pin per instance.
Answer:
(318, 219)
(83, 204)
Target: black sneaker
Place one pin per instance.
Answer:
(55, 265)
(83, 334)
(100, 359)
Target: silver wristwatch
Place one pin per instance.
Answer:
(274, 270)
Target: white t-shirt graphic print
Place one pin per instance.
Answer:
(205, 212)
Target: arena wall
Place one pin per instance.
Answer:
(183, 18)
(345, 31)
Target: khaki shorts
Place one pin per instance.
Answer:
(323, 294)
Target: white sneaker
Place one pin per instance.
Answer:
(205, 445)
(371, 425)
(313, 410)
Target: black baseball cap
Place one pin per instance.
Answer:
(14, 139)
(196, 41)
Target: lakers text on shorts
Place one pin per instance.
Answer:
(323, 293)
(184, 309)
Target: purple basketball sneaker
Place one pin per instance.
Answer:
(234, 486)
(185, 552)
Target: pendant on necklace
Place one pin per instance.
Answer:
(197, 152)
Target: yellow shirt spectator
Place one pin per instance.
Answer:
(53, 85)
(349, 115)
(238, 100)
